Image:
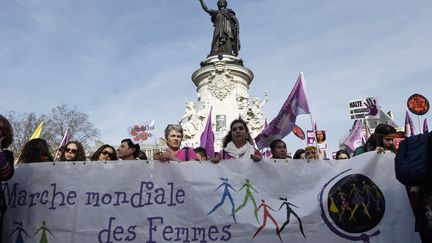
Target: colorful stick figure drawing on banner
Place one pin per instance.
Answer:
(43, 229)
(226, 193)
(266, 214)
(248, 195)
(19, 229)
(290, 211)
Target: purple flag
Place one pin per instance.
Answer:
(355, 138)
(409, 126)
(66, 137)
(425, 126)
(283, 123)
(266, 152)
(207, 137)
(315, 127)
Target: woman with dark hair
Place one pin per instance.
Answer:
(238, 144)
(103, 153)
(6, 162)
(320, 136)
(73, 151)
(278, 149)
(6, 156)
(381, 140)
(299, 154)
(342, 154)
(36, 150)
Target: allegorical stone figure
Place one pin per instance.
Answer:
(226, 39)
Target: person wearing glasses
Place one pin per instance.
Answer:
(174, 137)
(73, 151)
(238, 144)
(128, 150)
(380, 141)
(104, 153)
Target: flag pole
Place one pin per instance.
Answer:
(310, 113)
(420, 126)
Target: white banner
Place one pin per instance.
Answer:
(233, 201)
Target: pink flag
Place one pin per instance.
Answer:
(409, 126)
(207, 137)
(355, 137)
(425, 126)
(66, 137)
(266, 152)
(283, 123)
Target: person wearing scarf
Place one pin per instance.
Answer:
(238, 144)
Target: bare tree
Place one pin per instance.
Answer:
(62, 117)
(55, 125)
(23, 125)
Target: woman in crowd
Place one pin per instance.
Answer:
(312, 152)
(73, 151)
(36, 150)
(342, 154)
(174, 137)
(321, 136)
(299, 154)
(104, 153)
(6, 156)
(381, 140)
(278, 149)
(6, 162)
(238, 144)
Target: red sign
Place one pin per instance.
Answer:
(298, 132)
(418, 104)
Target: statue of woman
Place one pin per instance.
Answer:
(190, 121)
(226, 39)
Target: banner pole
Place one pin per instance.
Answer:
(420, 126)
(310, 113)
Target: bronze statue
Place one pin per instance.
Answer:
(226, 39)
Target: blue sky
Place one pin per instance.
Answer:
(125, 62)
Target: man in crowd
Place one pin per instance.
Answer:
(128, 150)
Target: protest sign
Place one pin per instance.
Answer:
(364, 108)
(418, 104)
(141, 132)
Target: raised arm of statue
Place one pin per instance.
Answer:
(204, 6)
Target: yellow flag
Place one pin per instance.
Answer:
(37, 132)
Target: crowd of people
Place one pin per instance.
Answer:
(238, 143)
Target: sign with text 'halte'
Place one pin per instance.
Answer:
(366, 108)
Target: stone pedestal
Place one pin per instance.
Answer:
(222, 83)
